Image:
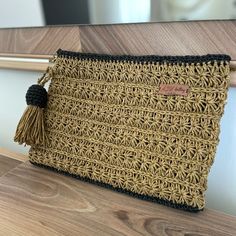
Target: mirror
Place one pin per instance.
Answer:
(32, 13)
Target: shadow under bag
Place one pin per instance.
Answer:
(143, 125)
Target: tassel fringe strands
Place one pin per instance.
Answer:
(31, 130)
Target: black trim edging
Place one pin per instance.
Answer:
(144, 59)
(136, 195)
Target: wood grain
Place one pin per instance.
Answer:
(6, 164)
(35, 201)
(13, 155)
(172, 38)
(39, 40)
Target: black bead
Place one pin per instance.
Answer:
(37, 96)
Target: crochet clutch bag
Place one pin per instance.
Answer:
(143, 125)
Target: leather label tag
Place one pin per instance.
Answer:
(174, 89)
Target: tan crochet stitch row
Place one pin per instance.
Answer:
(106, 121)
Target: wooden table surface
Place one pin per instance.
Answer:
(36, 201)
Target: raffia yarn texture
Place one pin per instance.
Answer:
(106, 122)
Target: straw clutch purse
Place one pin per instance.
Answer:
(143, 125)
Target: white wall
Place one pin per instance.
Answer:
(13, 86)
(174, 10)
(221, 194)
(122, 11)
(18, 13)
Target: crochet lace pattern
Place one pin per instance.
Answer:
(107, 123)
